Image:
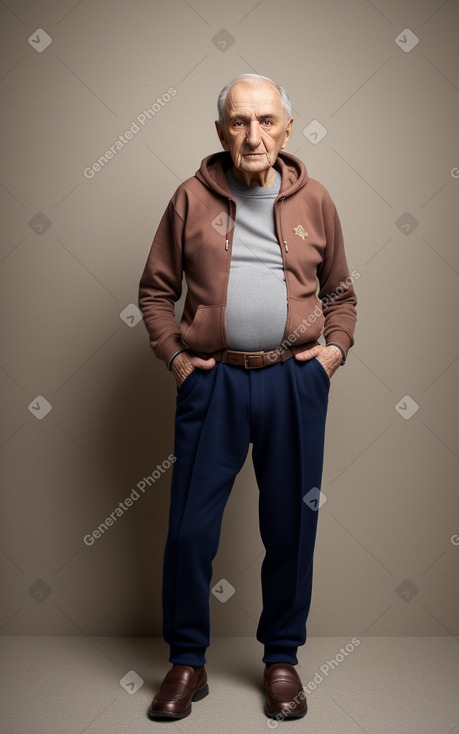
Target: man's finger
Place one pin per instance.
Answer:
(306, 355)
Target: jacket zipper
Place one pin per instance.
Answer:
(231, 210)
(278, 225)
(284, 255)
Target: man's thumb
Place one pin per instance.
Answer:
(205, 364)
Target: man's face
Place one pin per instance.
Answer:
(255, 130)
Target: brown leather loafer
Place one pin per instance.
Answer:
(285, 697)
(182, 685)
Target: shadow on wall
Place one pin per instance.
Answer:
(139, 421)
(133, 431)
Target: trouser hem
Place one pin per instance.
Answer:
(280, 654)
(196, 657)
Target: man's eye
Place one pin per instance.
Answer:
(238, 124)
(267, 123)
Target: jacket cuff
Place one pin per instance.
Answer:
(343, 353)
(169, 348)
(342, 340)
(179, 351)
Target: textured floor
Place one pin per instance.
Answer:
(377, 685)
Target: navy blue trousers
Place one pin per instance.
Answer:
(281, 410)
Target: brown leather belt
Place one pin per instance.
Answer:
(252, 360)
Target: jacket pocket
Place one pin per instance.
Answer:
(206, 333)
(305, 319)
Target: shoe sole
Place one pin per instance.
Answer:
(286, 714)
(198, 696)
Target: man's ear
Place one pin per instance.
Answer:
(288, 133)
(221, 135)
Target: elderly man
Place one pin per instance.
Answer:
(262, 251)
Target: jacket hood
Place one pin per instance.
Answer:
(212, 173)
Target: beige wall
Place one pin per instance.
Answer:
(387, 557)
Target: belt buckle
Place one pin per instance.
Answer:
(249, 360)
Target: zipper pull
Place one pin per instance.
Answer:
(285, 245)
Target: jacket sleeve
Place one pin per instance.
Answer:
(336, 286)
(161, 285)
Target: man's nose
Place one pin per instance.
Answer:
(253, 134)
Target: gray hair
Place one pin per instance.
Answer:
(221, 102)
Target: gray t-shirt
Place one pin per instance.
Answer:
(256, 309)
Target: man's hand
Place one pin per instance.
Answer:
(186, 362)
(329, 357)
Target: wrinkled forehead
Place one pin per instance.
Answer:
(259, 97)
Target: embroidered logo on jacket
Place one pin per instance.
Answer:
(300, 231)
